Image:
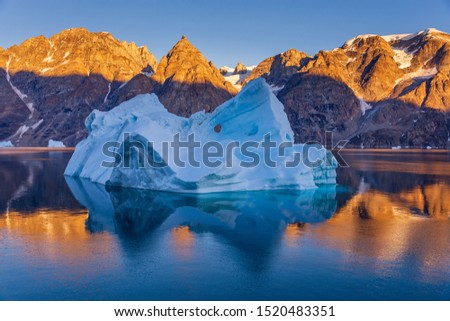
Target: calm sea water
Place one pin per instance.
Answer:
(382, 234)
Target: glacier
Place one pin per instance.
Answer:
(249, 117)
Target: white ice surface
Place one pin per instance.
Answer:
(249, 116)
(55, 143)
(6, 144)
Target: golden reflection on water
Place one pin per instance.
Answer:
(57, 235)
(393, 227)
(292, 234)
(182, 241)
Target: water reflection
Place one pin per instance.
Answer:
(247, 219)
(33, 179)
(384, 226)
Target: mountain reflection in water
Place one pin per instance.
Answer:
(382, 233)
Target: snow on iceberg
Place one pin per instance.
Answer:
(55, 144)
(244, 123)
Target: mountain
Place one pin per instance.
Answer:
(278, 69)
(189, 82)
(375, 91)
(237, 74)
(185, 82)
(49, 86)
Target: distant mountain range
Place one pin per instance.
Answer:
(375, 91)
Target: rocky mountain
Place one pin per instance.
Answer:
(375, 91)
(188, 82)
(49, 86)
(185, 82)
(278, 69)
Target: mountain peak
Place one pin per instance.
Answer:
(399, 36)
(433, 30)
(76, 30)
(189, 81)
(183, 43)
(240, 68)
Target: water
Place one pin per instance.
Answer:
(382, 234)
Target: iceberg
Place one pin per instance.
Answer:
(55, 144)
(6, 144)
(245, 144)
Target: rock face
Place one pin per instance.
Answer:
(240, 68)
(315, 104)
(278, 69)
(375, 91)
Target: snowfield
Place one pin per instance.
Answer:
(244, 120)
(235, 79)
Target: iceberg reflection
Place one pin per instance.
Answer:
(248, 218)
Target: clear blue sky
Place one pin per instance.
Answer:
(225, 31)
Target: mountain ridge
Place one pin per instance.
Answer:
(375, 91)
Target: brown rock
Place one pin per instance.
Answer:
(223, 71)
(315, 104)
(240, 68)
(278, 69)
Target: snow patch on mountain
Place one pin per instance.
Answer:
(421, 74)
(403, 58)
(409, 36)
(48, 59)
(37, 124)
(235, 78)
(107, 94)
(364, 106)
(21, 95)
(21, 131)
